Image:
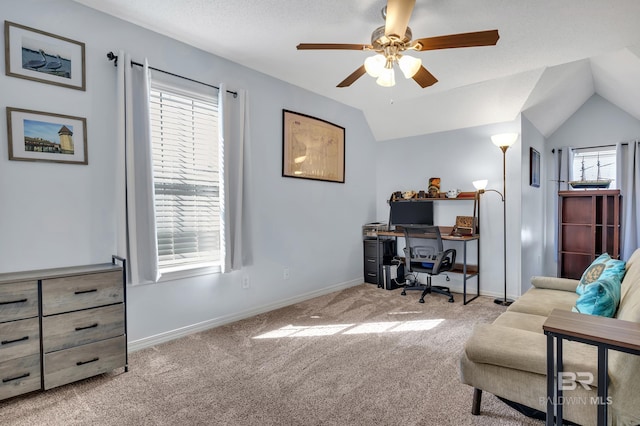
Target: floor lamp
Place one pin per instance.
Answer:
(502, 141)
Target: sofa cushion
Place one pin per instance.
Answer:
(541, 301)
(521, 321)
(629, 309)
(526, 350)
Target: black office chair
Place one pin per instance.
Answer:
(424, 254)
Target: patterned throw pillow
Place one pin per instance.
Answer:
(599, 288)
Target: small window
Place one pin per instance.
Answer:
(595, 164)
(186, 178)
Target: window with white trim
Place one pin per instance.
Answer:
(594, 164)
(186, 172)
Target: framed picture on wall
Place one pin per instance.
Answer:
(43, 136)
(312, 148)
(534, 167)
(44, 57)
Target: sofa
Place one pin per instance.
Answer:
(507, 358)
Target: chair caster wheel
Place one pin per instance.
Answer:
(404, 293)
(421, 301)
(451, 300)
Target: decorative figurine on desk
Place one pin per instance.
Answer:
(434, 187)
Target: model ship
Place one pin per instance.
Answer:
(583, 183)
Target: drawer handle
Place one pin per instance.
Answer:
(6, 342)
(87, 362)
(86, 291)
(371, 274)
(89, 326)
(16, 378)
(371, 260)
(13, 301)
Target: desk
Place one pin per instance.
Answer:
(605, 333)
(467, 271)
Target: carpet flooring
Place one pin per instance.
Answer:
(360, 356)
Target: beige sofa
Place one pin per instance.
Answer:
(508, 357)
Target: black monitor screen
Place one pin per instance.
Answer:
(411, 213)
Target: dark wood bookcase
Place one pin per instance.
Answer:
(589, 225)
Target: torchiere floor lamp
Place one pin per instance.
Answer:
(502, 141)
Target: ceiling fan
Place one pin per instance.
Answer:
(391, 40)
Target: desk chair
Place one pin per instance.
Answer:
(424, 253)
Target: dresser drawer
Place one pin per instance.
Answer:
(19, 338)
(81, 327)
(18, 300)
(81, 292)
(20, 375)
(84, 361)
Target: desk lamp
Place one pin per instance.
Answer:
(502, 141)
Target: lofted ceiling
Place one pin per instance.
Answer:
(551, 56)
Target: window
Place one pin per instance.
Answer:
(595, 164)
(186, 172)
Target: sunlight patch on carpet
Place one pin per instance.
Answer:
(364, 328)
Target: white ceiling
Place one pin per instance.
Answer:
(552, 55)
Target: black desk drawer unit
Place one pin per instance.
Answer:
(377, 253)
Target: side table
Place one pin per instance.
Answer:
(605, 333)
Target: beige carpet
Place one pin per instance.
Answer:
(362, 356)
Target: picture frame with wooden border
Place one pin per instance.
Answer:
(534, 167)
(312, 148)
(44, 57)
(45, 136)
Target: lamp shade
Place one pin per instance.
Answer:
(387, 78)
(409, 65)
(504, 139)
(374, 65)
(480, 184)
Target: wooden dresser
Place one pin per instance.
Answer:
(61, 325)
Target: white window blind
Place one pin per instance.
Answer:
(186, 177)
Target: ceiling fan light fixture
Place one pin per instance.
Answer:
(374, 65)
(409, 65)
(387, 78)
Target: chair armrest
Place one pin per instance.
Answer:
(446, 258)
(555, 283)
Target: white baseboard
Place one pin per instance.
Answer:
(157, 339)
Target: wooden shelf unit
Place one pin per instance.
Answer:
(589, 225)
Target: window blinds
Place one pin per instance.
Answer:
(186, 177)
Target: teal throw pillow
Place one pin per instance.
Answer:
(599, 288)
(603, 267)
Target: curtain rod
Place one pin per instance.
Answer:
(114, 57)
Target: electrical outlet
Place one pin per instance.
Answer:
(286, 273)
(246, 283)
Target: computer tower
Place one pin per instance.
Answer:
(392, 276)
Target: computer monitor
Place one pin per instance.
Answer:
(410, 212)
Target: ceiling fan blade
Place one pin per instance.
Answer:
(424, 78)
(339, 46)
(398, 14)
(478, 38)
(353, 77)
